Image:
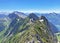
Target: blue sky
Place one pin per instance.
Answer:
(30, 5)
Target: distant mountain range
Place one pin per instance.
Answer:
(32, 28)
(54, 18)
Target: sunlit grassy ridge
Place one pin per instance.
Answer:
(36, 32)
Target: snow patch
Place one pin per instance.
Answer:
(41, 20)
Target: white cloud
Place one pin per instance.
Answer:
(31, 10)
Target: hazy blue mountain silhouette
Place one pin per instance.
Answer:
(54, 18)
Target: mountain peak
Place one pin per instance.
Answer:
(32, 15)
(53, 13)
(43, 18)
(16, 14)
(20, 14)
